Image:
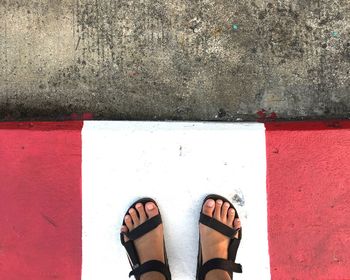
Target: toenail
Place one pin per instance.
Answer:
(150, 206)
(219, 202)
(210, 203)
(127, 218)
(232, 211)
(131, 211)
(226, 205)
(138, 205)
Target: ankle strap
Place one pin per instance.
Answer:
(151, 266)
(227, 265)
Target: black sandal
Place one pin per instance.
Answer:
(153, 265)
(228, 265)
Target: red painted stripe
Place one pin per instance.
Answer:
(301, 125)
(43, 126)
(308, 186)
(40, 201)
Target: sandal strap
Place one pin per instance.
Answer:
(218, 226)
(233, 248)
(222, 264)
(144, 228)
(151, 266)
(130, 249)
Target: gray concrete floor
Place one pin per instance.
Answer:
(179, 60)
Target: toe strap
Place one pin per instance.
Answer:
(144, 228)
(222, 264)
(218, 226)
(151, 266)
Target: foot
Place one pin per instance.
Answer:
(150, 246)
(213, 243)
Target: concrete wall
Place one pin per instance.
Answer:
(189, 60)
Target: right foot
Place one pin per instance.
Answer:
(213, 243)
(151, 245)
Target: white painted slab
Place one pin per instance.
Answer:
(177, 163)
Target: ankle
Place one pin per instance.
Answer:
(153, 275)
(217, 274)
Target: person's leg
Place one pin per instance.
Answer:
(152, 276)
(150, 246)
(213, 243)
(217, 274)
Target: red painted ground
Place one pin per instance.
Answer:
(40, 201)
(308, 188)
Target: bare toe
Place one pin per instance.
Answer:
(151, 209)
(125, 230)
(128, 222)
(231, 217)
(142, 213)
(208, 207)
(237, 225)
(224, 210)
(134, 217)
(217, 212)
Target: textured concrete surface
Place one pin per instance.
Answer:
(188, 60)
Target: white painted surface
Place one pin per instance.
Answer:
(177, 163)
